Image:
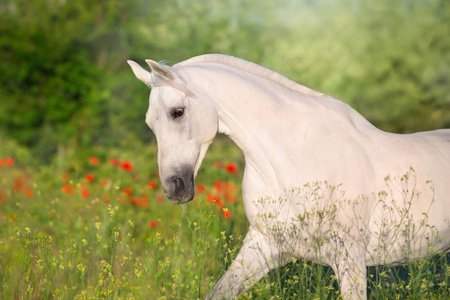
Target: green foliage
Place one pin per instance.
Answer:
(408, 81)
(388, 59)
(65, 83)
(48, 83)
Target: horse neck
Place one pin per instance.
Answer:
(257, 114)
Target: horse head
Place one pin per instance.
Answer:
(183, 124)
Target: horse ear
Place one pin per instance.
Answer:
(164, 75)
(140, 73)
(160, 70)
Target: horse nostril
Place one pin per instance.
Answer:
(179, 185)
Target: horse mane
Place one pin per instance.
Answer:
(249, 67)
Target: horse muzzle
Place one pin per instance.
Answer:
(180, 187)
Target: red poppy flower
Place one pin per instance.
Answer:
(226, 214)
(9, 161)
(142, 202)
(127, 166)
(2, 198)
(68, 189)
(152, 184)
(84, 191)
(65, 176)
(93, 160)
(230, 187)
(160, 199)
(128, 192)
(114, 162)
(153, 224)
(217, 164)
(212, 198)
(219, 203)
(28, 192)
(231, 168)
(90, 177)
(105, 199)
(133, 201)
(229, 198)
(218, 186)
(18, 184)
(200, 188)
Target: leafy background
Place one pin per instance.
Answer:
(64, 81)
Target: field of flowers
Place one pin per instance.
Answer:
(95, 224)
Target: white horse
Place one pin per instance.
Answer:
(320, 182)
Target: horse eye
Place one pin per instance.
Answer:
(177, 112)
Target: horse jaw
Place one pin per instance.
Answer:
(201, 155)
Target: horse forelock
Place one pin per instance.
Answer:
(249, 67)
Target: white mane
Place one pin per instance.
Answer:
(249, 67)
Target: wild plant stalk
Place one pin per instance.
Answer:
(425, 278)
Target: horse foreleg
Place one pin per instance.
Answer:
(351, 273)
(255, 258)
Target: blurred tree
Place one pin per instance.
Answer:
(407, 63)
(58, 59)
(389, 60)
(46, 75)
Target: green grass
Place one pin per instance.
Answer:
(60, 243)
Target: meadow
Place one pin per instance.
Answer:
(99, 227)
(95, 224)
